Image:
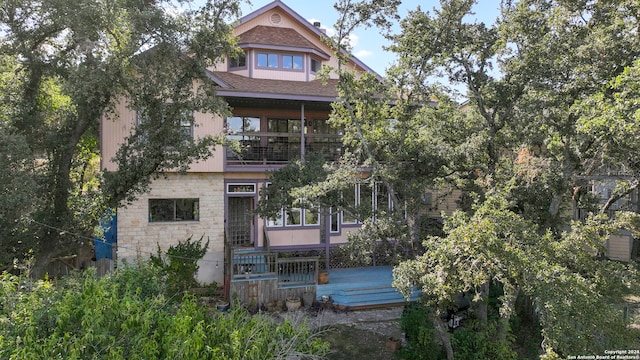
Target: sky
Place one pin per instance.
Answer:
(368, 43)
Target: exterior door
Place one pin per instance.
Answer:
(240, 221)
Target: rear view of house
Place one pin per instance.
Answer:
(280, 111)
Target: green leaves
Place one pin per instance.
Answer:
(66, 65)
(83, 317)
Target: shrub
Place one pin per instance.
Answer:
(420, 334)
(471, 343)
(180, 263)
(117, 317)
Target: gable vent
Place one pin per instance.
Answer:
(276, 18)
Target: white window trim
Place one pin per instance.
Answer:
(317, 210)
(286, 217)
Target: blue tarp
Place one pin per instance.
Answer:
(104, 246)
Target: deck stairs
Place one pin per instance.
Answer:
(362, 288)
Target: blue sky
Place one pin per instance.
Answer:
(368, 43)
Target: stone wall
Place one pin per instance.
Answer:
(139, 238)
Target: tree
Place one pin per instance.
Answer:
(530, 111)
(74, 61)
(526, 78)
(496, 245)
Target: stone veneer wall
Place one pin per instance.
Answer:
(138, 238)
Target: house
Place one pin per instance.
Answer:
(280, 112)
(622, 246)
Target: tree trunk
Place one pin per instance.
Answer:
(507, 308)
(443, 333)
(483, 306)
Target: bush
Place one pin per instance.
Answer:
(420, 334)
(120, 317)
(470, 343)
(180, 263)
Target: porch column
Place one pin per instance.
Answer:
(327, 237)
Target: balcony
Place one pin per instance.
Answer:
(280, 148)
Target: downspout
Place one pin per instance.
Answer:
(302, 139)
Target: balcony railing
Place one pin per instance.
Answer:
(279, 148)
(261, 265)
(297, 271)
(253, 264)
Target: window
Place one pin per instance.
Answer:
(293, 217)
(186, 126)
(365, 204)
(280, 61)
(174, 210)
(238, 61)
(350, 201)
(284, 126)
(241, 127)
(240, 189)
(322, 127)
(277, 222)
(268, 60)
(292, 62)
(335, 221)
(316, 65)
(358, 204)
(312, 217)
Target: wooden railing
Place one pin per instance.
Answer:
(297, 271)
(248, 265)
(258, 265)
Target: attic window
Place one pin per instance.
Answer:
(276, 18)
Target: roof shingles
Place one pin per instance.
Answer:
(241, 84)
(269, 35)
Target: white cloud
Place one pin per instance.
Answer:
(363, 54)
(353, 40)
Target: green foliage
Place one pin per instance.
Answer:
(55, 96)
(471, 344)
(419, 332)
(575, 290)
(127, 315)
(18, 186)
(382, 242)
(180, 263)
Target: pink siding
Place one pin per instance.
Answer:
(115, 128)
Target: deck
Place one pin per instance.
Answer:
(362, 287)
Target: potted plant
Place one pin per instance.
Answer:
(293, 303)
(222, 305)
(323, 277)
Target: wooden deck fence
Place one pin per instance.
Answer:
(262, 277)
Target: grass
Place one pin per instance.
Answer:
(350, 343)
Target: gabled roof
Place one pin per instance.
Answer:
(279, 4)
(278, 38)
(232, 85)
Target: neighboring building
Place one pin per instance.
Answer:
(623, 246)
(280, 112)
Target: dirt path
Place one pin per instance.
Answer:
(359, 334)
